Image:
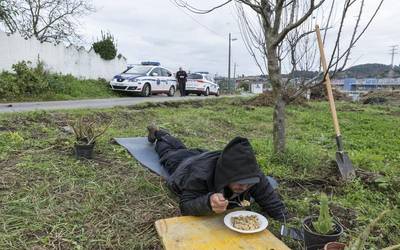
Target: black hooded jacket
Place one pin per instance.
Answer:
(200, 176)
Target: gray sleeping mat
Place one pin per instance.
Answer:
(144, 152)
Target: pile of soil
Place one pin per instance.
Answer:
(266, 99)
(381, 97)
(320, 93)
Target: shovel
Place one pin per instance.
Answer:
(342, 159)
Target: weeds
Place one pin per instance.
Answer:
(29, 83)
(50, 200)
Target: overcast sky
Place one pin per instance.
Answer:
(159, 30)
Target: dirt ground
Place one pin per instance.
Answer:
(381, 97)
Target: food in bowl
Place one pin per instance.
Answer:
(246, 223)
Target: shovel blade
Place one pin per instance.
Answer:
(345, 166)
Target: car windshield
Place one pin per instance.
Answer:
(138, 70)
(195, 76)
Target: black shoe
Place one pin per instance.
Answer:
(152, 129)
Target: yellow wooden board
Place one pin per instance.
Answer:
(209, 233)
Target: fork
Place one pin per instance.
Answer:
(235, 202)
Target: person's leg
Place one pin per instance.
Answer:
(184, 88)
(167, 143)
(171, 151)
(181, 88)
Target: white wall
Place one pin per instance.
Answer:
(57, 58)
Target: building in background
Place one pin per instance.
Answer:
(355, 87)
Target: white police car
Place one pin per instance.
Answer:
(146, 79)
(201, 83)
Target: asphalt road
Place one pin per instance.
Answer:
(92, 103)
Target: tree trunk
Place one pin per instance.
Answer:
(274, 71)
(279, 133)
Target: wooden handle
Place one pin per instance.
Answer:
(327, 82)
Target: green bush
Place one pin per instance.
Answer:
(35, 83)
(26, 81)
(31, 81)
(106, 47)
(8, 88)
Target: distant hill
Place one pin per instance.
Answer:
(370, 70)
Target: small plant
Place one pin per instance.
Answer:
(86, 131)
(319, 230)
(324, 224)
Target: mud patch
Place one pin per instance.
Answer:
(395, 113)
(295, 187)
(9, 174)
(171, 104)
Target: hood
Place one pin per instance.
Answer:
(127, 76)
(236, 162)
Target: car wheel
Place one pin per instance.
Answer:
(171, 91)
(146, 91)
(199, 94)
(207, 93)
(217, 94)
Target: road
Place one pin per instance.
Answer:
(92, 103)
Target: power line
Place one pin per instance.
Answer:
(195, 20)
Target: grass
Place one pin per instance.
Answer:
(27, 83)
(68, 88)
(48, 199)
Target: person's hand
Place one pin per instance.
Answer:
(218, 203)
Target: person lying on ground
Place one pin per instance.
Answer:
(214, 181)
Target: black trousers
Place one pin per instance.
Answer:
(182, 88)
(172, 151)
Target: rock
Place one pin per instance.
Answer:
(67, 129)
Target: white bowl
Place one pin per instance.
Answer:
(263, 221)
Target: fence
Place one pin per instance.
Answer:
(73, 60)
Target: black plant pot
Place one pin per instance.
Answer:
(84, 151)
(316, 241)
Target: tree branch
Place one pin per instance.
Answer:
(294, 25)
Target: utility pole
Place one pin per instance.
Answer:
(393, 52)
(229, 61)
(229, 64)
(234, 70)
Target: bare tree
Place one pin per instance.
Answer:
(277, 35)
(47, 20)
(7, 15)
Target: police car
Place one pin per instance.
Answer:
(145, 79)
(201, 83)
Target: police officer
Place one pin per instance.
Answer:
(181, 77)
